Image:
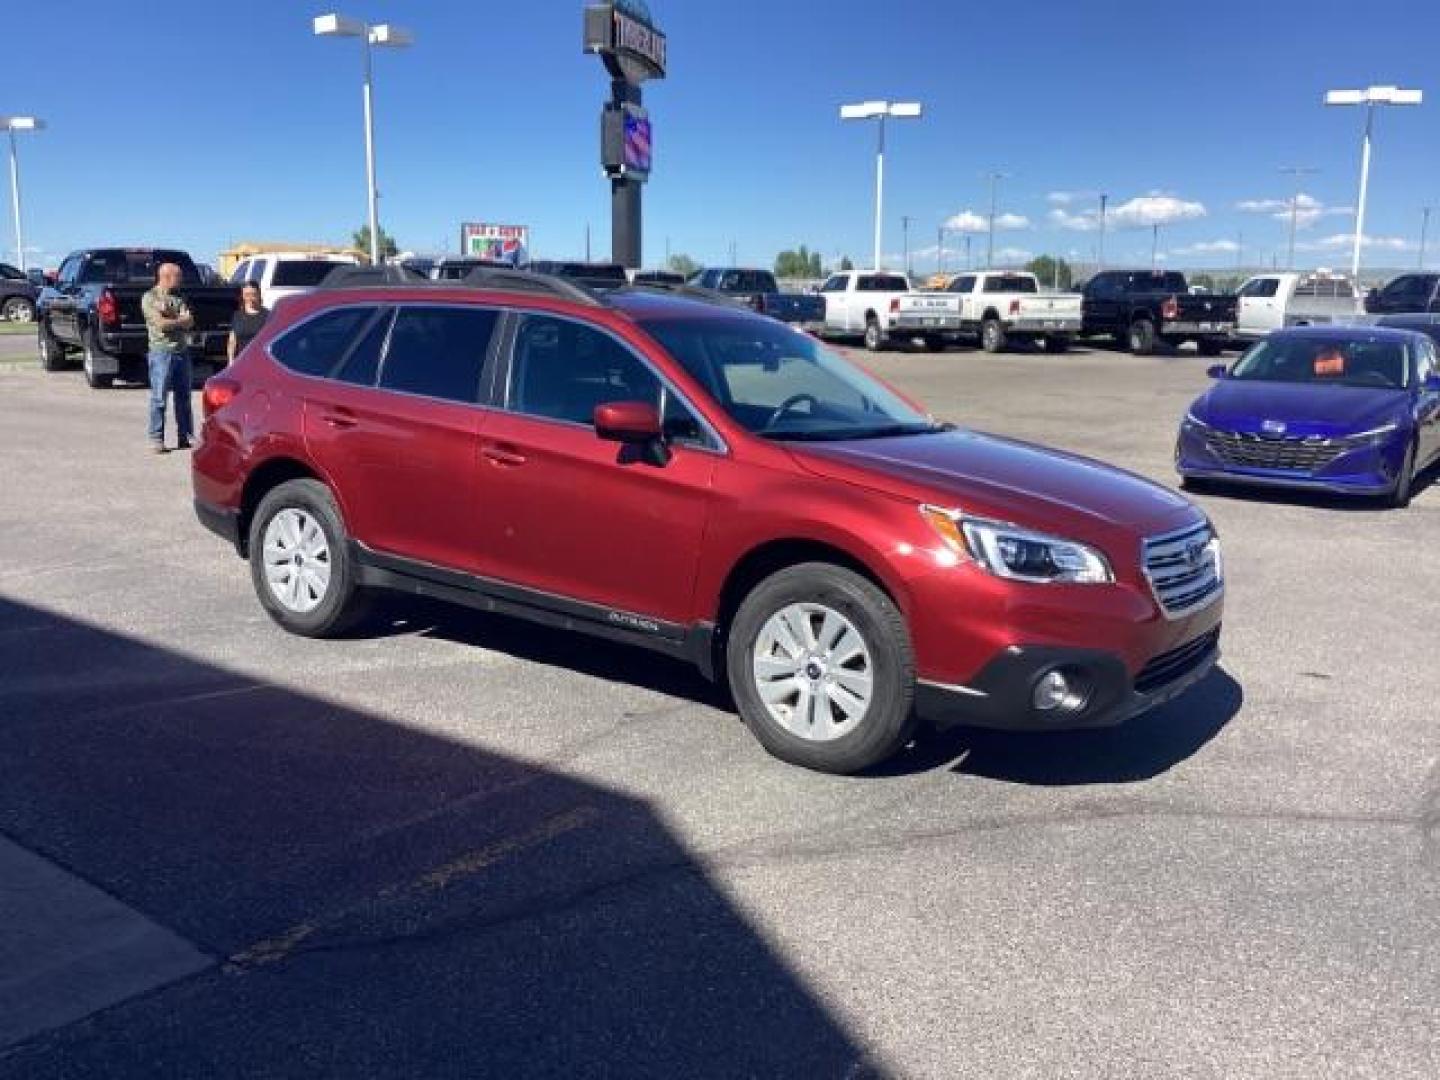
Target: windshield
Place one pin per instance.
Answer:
(298, 273)
(782, 384)
(9, 273)
(1351, 361)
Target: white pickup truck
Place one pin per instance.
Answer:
(998, 307)
(1274, 301)
(864, 303)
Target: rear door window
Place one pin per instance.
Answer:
(362, 363)
(1010, 283)
(1261, 288)
(316, 346)
(882, 283)
(302, 273)
(439, 352)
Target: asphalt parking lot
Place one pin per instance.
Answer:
(460, 846)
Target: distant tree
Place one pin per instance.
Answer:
(846, 264)
(683, 264)
(1205, 281)
(802, 263)
(361, 239)
(1051, 271)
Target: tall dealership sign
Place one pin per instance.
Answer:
(623, 34)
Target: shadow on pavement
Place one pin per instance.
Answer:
(380, 901)
(1140, 749)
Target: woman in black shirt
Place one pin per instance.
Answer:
(248, 321)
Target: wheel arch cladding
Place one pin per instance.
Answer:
(768, 558)
(261, 481)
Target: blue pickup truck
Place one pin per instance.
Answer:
(759, 290)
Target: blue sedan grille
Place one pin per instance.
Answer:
(1289, 452)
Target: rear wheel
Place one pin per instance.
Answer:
(95, 379)
(874, 337)
(18, 309)
(300, 561)
(1141, 338)
(820, 664)
(992, 336)
(935, 344)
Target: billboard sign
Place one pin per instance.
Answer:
(503, 243)
(624, 34)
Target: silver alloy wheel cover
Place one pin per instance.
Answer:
(16, 306)
(296, 557)
(813, 671)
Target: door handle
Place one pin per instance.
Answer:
(504, 456)
(340, 418)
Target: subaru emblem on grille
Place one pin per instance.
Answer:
(1273, 427)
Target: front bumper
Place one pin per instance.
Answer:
(1367, 469)
(1002, 696)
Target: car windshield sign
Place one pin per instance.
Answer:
(1375, 362)
(781, 384)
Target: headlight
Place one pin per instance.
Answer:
(1195, 421)
(1017, 554)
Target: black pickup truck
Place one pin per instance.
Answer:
(759, 290)
(1140, 309)
(94, 309)
(1407, 294)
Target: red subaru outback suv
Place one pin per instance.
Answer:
(690, 477)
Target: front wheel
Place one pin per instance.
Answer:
(52, 353)
(821, 667)
(1399, 496)
(300, 561)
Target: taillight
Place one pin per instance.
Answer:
(108, 309)
(1014, 307)
(894, 304)
(219, 392)
(1170, 309)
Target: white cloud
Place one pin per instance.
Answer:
(1087, 221)
(1154, 209)
(968, 221)
(1209, 247)
(1064, 198)
(1013, 255)
(1308, 209)
(1346, 241)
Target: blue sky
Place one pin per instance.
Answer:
(238, 124)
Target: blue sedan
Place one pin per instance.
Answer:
(1354, 410)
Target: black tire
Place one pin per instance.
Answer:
(20, 309)
(992, 336)
(52, 353)
(1398, 498)
(935, 344)
(1142, 337)
(1059, 343)
(1209, 347)
(874, 336)
(888, 720)
(344, 601)
(93, 379)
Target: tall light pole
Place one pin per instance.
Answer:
(1100, 248)
(873, 110)
(1424, 234)
(12, 124)
(1296, 172)
(1371, 97)
(382, 36)
(1155, 246)
(940, 250)
(994, 178)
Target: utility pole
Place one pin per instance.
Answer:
(1100, 247)
(1154, 247)
(940, 250)
(1424, 233)
(968, 265)
(587, 241)
(905, 233)
(1296, 172)
(732, 252)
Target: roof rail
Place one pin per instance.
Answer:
(489, 277)
(693, 292)
(359, 277)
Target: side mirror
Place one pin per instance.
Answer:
(1431, 385)
(631, 422)
(1216, 371)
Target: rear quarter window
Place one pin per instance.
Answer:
(318, 344)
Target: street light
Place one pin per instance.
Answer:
(12, 124)
(1100, 248)
(383, 36)
(1424, 233)
(1375, 95)
(1297, 171)
(994, 178)
(872, 110)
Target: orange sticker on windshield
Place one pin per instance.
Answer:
(1330, 363)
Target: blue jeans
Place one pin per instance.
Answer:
(170, 372)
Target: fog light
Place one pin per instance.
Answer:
(1058, 691)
